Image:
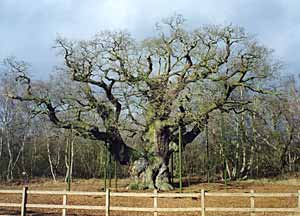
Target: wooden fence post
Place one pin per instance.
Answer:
(107, 202)
(24, 201)
(64, 211)
(202, 202)
(252, 203)
(155, 203)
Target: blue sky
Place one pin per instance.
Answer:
(28, 28)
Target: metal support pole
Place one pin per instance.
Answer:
(180, 159)
(207, 150)
(116, 175)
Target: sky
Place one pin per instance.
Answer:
(28, 28)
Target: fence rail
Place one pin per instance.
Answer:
(155, 195)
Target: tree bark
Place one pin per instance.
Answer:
(152, 171)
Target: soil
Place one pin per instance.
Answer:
(291, 185)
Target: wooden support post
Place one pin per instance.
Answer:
(252, 203)
(24, 201)
(202, 202)
(155, 203)
(64, 211)
(107, 202)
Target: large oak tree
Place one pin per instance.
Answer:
(123, 91)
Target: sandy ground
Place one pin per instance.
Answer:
(291, 185)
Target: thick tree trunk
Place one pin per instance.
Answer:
(118, 149)
(152, 171)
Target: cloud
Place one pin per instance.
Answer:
(29, 28)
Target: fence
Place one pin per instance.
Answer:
(155, 195)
